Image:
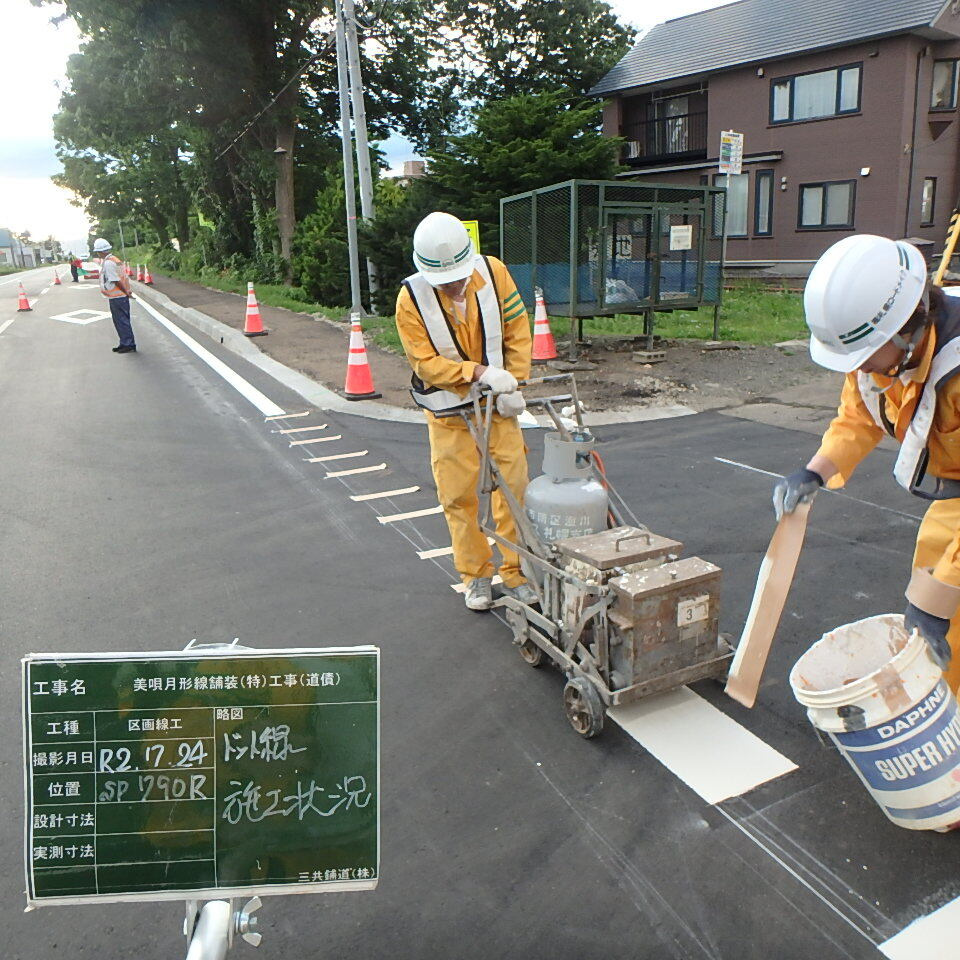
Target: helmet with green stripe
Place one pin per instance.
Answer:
(859, 295)
(442, 249)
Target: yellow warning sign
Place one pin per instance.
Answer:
(473, 228)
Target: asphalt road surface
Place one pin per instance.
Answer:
(146, 502)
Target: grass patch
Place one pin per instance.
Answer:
(751, 314)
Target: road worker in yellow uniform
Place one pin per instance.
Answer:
(874, 316)
(463, 325)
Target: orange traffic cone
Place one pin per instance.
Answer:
(543, 346)
(146, 275)
(56, 279)
(24, 303)
(140, 272)
(253, 324)
(359, 384)
(129, 269)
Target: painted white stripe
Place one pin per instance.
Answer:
(442, 551)
(462, 587)
(288, 416)
(384, 493)
(300, 443)
(355, 471)
(934, 935)
(249, 392)
(709, 751)
(44, 290)
(7, 324)
(319, 426)
(337, 456)
(412, 515)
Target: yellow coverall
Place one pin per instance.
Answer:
(853, 434)
(453, 454)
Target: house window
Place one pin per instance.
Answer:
(810, 96)
(737, 190)
(943, 92)
(927, 200)
(826, 205)
(763, 204)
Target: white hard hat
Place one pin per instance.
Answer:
(442, 249)
(859, 294)
(101, 245)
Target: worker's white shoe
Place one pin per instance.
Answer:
(524, 593)
(479, 594)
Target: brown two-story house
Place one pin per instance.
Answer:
(849, 111)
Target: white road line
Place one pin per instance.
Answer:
(442, 551)
(249, 392)
(383, 493)
(288, 416)
(836, 493)
(412, 515)
(300, 443)
(709, 751)
(337, 456)
(355, 471)
(44, 290)
(319, 426)
(934, 935)
(7, 324)
(462, 587)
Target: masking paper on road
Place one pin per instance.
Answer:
(932, 936)
(711, 753)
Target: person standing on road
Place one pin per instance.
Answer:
(463, 326)
(74, 268)
(874, 316)
(115, 286)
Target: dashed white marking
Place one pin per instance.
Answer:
(383, 493)
(247, 390)
(934, 935)
(412, 515)
(288, 416)
(44, 290)
(442, 551)
(300, 443)
(338, 456)
(709, 751)
(355, 471)
(7, 324)
(318, 426)
(462, 587)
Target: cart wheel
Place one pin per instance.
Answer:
(531, 653)
(583, 707)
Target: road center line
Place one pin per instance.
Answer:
(247, 390)
(7, 324)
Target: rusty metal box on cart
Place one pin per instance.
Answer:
(599, 557)
(664, 619)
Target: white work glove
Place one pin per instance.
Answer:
(511, 404)
(499, 381)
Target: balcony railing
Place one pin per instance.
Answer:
(683, 135)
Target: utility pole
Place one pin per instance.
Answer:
(123, 249)
(136, 236)
(348, 188)
(348, 14)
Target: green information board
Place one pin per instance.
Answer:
(201, 772)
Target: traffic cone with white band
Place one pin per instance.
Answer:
(147, 279)
(543, 346)
(129, 269)
(56, 279)
(24, 303)
(359, 383)
(253, 323)
(140, 272)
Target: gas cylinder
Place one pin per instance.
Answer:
(566, 501)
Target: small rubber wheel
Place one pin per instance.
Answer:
(583, 707)
(531, 653)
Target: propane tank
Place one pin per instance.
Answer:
(567, 501)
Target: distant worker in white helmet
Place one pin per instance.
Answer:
(115, 286)
(462, 322)
(874, 316)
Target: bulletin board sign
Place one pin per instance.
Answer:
(187, 774)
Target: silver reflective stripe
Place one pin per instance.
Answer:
(425, 299)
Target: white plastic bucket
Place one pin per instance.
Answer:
(884, 703)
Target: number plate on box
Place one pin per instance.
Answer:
(693, 610)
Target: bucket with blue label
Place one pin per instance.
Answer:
(877, 693)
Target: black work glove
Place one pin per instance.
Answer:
(800, 487)
(933, 630)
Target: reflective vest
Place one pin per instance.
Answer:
(115, 289)
(426, 301)
(911, 466)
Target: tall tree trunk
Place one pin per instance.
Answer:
(286, 215)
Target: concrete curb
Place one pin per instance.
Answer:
(325, 399)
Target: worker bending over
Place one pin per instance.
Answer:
(874, 316)
(462, 323)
